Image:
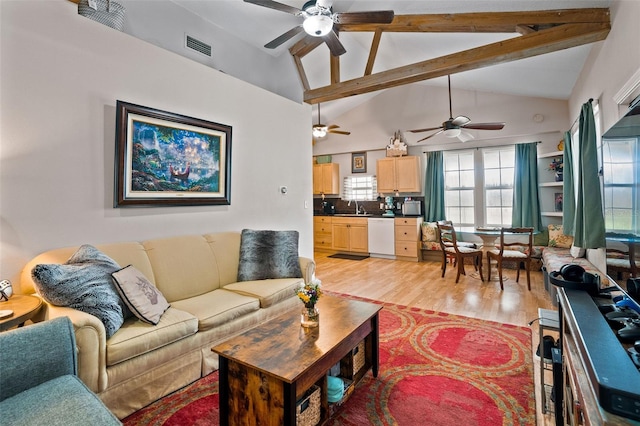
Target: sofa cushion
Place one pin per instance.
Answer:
(141, 297)
(217, 307)
(270, 293)
(136, 337)
(63, 400)
(268, 254)
(84, 283)
(557, 237)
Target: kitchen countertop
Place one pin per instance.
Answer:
(368, 215)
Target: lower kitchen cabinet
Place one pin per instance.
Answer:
(322, 233)
(350, 234)
(407, 237)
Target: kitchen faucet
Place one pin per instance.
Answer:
(356, 201)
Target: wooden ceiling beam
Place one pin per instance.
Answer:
(538, 43)
(375, 44)
(501, 22)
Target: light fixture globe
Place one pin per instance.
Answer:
(319, 131)
(318, 25)
(452, 133)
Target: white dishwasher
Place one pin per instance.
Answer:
(381, 237)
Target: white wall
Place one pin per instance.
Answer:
(61, 75)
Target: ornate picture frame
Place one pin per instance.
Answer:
(168, 159)
(358, 162)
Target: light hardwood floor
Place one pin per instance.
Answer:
(419, 284)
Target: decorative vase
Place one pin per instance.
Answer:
(310, 316)
(558, 176)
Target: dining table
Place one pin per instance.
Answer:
(489, 236)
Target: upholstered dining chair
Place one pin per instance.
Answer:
(507, 252)
(451, 249)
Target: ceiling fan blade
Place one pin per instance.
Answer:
(333, 126)
(339, 132)
(284, 37)
(424, 130)
(430, 136)
(275, 5)
(484, 126)
(465, 136)
(372, 17)
(460, 120)
(334, 44)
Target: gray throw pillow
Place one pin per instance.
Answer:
(84, 283)
(141, 297)
(268, 254)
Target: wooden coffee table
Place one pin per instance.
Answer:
(264, 371)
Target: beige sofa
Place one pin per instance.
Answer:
(197, 275)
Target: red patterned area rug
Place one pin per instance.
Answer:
(435, 369)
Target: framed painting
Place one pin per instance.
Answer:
(167, 159)
(359, 162)
(558, 201)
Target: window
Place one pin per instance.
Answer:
(499, 167)
(459, 187)
(621, 166)
(479, 186)
(360, 188)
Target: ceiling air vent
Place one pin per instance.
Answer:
(198, 46)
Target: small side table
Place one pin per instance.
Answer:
(548, 320)
(24, 308)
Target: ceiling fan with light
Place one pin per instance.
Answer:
(319, 20)
(320, 130)
(454, 127)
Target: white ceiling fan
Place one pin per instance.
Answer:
(320, 130)
(319, 20)
(454, 127)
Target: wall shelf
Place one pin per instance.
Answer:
(551, 183)
(554, 214)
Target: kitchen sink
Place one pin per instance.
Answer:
(354, 215)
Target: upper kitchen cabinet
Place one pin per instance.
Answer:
(326, 178)
(398, 174)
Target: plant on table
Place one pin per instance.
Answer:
(310, 292)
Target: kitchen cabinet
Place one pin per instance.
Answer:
(407, 237)
(350, 234)
(322, 233)
(326, 178)
(398, 174)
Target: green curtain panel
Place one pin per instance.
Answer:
(434, 187)
(526, 202)
(568, 189)
(589, 219)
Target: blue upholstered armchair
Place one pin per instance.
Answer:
(38, 381)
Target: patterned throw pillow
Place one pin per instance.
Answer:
(557, 238)
(143, 298)
(429, 231)
(84, 283)
(268, 254)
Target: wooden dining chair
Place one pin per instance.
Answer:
(507, 253)
(619, 262)
(451, 249)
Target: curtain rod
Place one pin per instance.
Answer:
(591, 100)
(481, 147)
